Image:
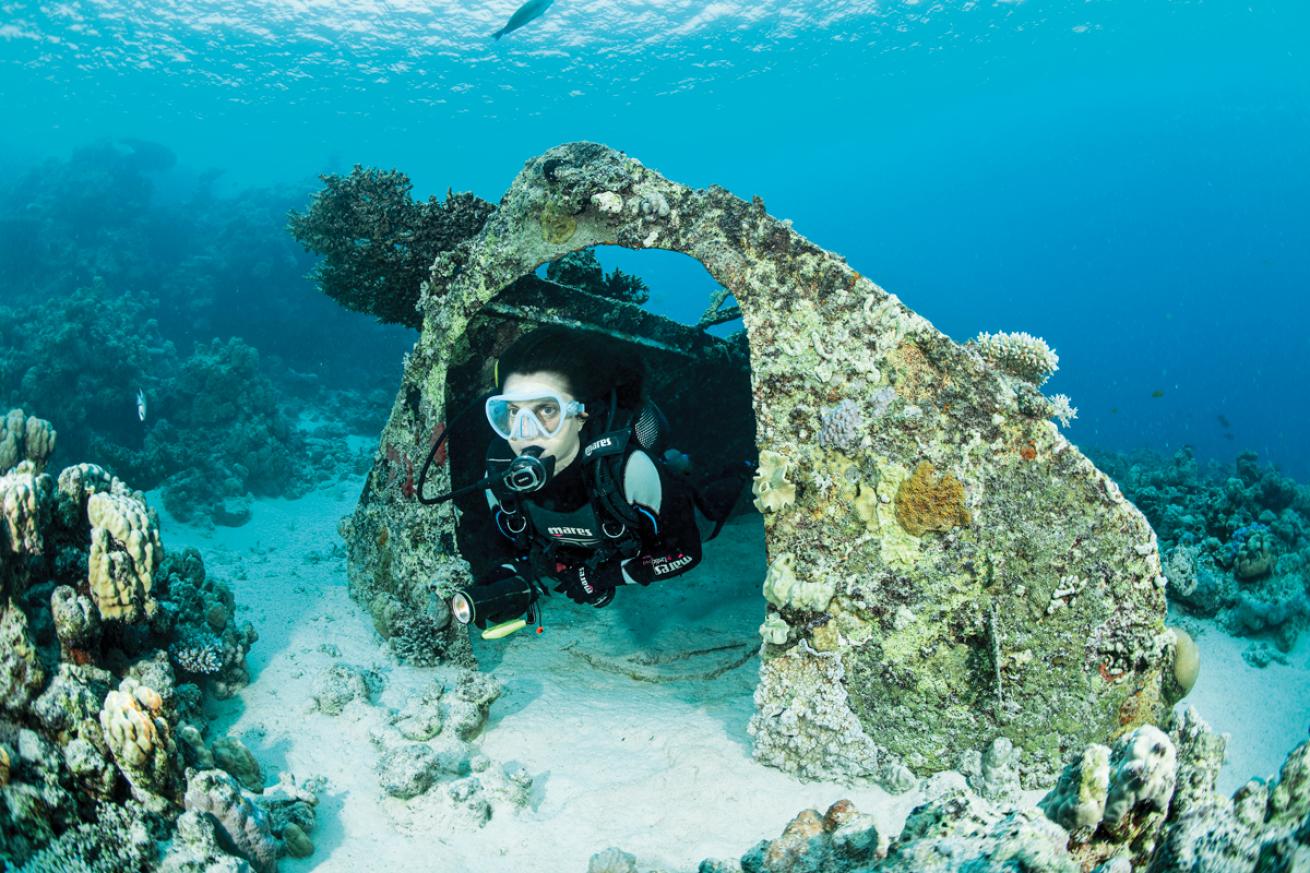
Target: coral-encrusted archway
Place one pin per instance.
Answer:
(945, 568)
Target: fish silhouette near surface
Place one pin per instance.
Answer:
(525, 13)
(140, 404)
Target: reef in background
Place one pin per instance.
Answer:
(216, 428)
(1236, 542)
(108, 648)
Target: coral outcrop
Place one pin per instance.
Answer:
(98, 721)
(950, 609)
(378, 242)
(1236, 541)
(1148, 804)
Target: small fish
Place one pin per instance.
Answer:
(525, 13)
(1157, 393)
(140, 404)
(1114, 410)
(1223, 421)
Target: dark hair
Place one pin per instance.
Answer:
(592, 365)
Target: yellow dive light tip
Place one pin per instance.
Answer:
(504, 629)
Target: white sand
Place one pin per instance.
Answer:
(662, 770)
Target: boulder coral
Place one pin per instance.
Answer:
(98, 726)
(25, 438)
(125, 552)
(933, 643)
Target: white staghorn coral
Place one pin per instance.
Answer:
(1019, 354)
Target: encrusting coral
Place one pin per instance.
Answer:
(928, 502)
(771, 488)
(99, 727)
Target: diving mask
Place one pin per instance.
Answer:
(529, 415)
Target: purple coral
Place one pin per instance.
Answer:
(842, 427)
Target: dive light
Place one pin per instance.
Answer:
(500, 603)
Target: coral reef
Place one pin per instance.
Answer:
(98, 727)
(1236, 541)
(931, 644)
(213, 264)
(582, 271)
(215, 431)
(378, 242)
(1147, 804)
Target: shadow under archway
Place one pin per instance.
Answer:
(681, 630)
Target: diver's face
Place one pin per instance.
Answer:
(565, 444)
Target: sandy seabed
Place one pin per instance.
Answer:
(612, 711)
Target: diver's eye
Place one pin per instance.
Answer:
(550, 410)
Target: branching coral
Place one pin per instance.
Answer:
(926, 502)
(581, 270)
(1019, 354)
(378, 243)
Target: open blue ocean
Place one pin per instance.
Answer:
(1126, 180)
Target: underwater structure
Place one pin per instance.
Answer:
(948, 577)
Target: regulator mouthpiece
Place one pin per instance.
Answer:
(529, 471)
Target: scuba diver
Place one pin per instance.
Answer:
(576, 484)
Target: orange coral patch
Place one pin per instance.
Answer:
(927, 502)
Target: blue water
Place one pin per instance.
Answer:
(1126, 179)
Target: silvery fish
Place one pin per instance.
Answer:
(140, 404)
(525, 13)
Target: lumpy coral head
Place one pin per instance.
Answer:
(926, 502)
